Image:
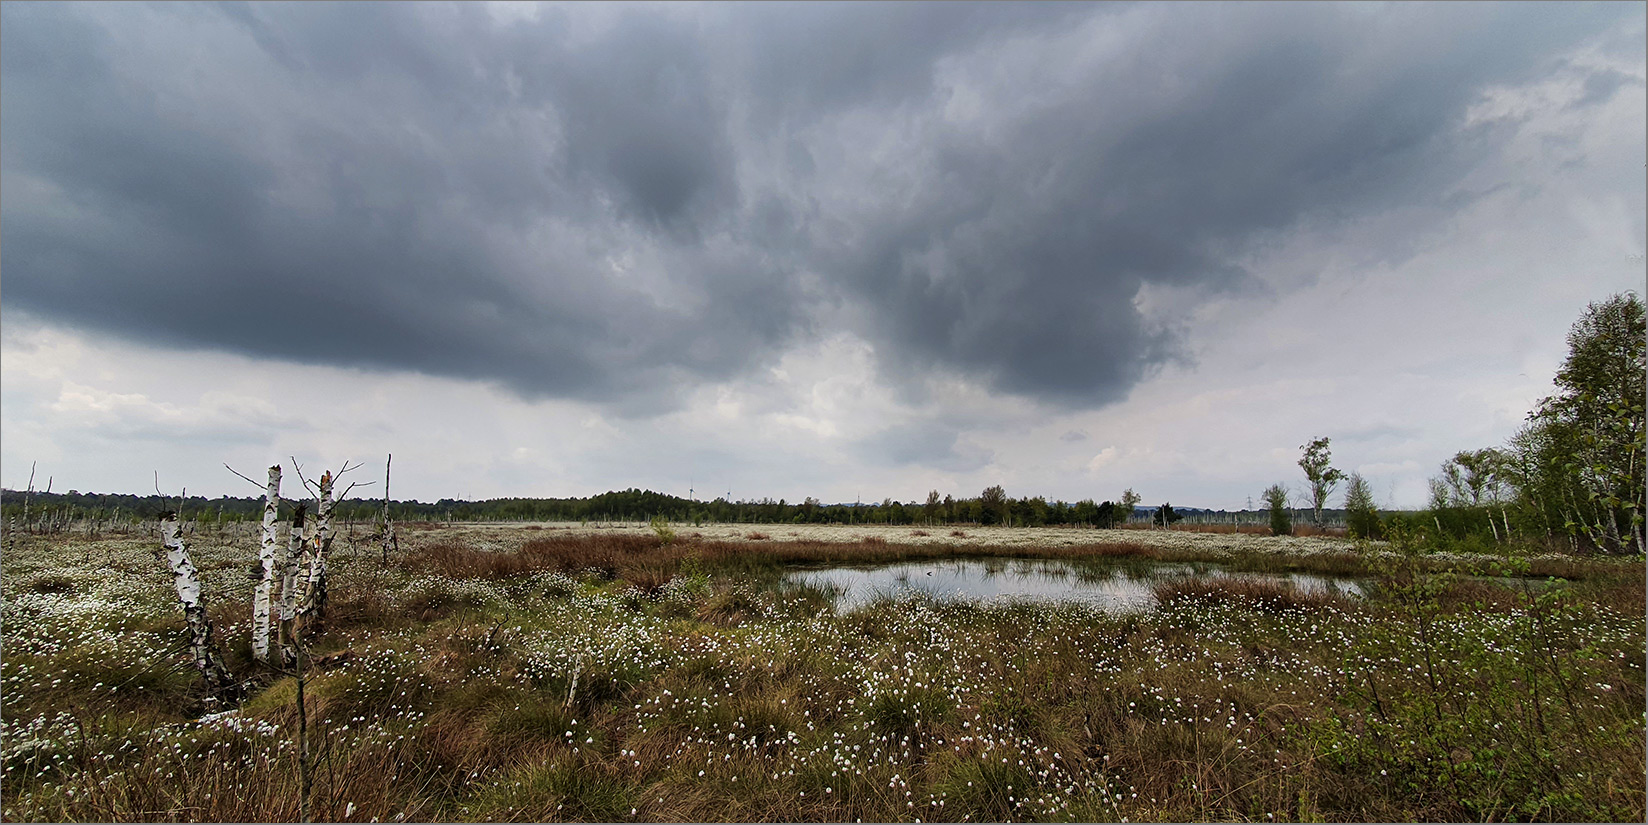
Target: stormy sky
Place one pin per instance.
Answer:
(838, 250)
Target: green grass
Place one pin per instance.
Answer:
(592, 679)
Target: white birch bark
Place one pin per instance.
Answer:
(312, 604)
(289, 580)
(263, 599)
(186, 579)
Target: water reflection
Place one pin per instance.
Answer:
(1118, 586)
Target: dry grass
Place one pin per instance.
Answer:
(1299, 530)
(1237, 700)
(644, 560)
(1258, 594)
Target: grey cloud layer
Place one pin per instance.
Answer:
(605, 203)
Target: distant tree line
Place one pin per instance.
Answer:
(991, 507)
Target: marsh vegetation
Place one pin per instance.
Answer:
(537, 674)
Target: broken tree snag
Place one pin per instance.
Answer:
(187, 581)
(388, 526)
(312, 604)
(263, 599)
(289, 581)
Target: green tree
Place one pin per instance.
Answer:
(1584, 446)
(994, 504)
(1124, 508)
(1276, 500)
(1472, 477)
(1030, 512)
(1105, 514)
(1086, 511)
(1322, 477)
(1360, 515)
(1164, 516)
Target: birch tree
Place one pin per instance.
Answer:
(313, 607)
(1124, 508)
(1322, 477)
(262, 600)
(186, 580)
(1600, 402)
(289, 566)
(312, 588)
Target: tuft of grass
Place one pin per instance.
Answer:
(1257, 594)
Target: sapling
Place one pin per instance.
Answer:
(1276, 499)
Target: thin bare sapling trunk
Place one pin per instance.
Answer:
(27, 494)
(187, 581)
(388, 526)
(289, 566)
(262, 602)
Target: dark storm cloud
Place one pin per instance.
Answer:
(608, 202)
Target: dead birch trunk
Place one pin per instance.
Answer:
(312, 604)
(263, 599)
(26, 496)
(388, 526)
(187, 581)
(289, 586)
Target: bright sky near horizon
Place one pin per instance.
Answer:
(832, 250)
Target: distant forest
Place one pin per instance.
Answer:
(994, 507)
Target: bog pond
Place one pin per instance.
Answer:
(1114, 586)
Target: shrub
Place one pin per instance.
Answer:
(1276, 499)
(660, 526)
(1361, 518)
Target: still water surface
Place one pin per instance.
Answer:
(1113, 586)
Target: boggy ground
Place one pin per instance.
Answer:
(511, 673)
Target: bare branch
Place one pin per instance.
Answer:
(238, 473)
(352, 485)
(306, 482)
